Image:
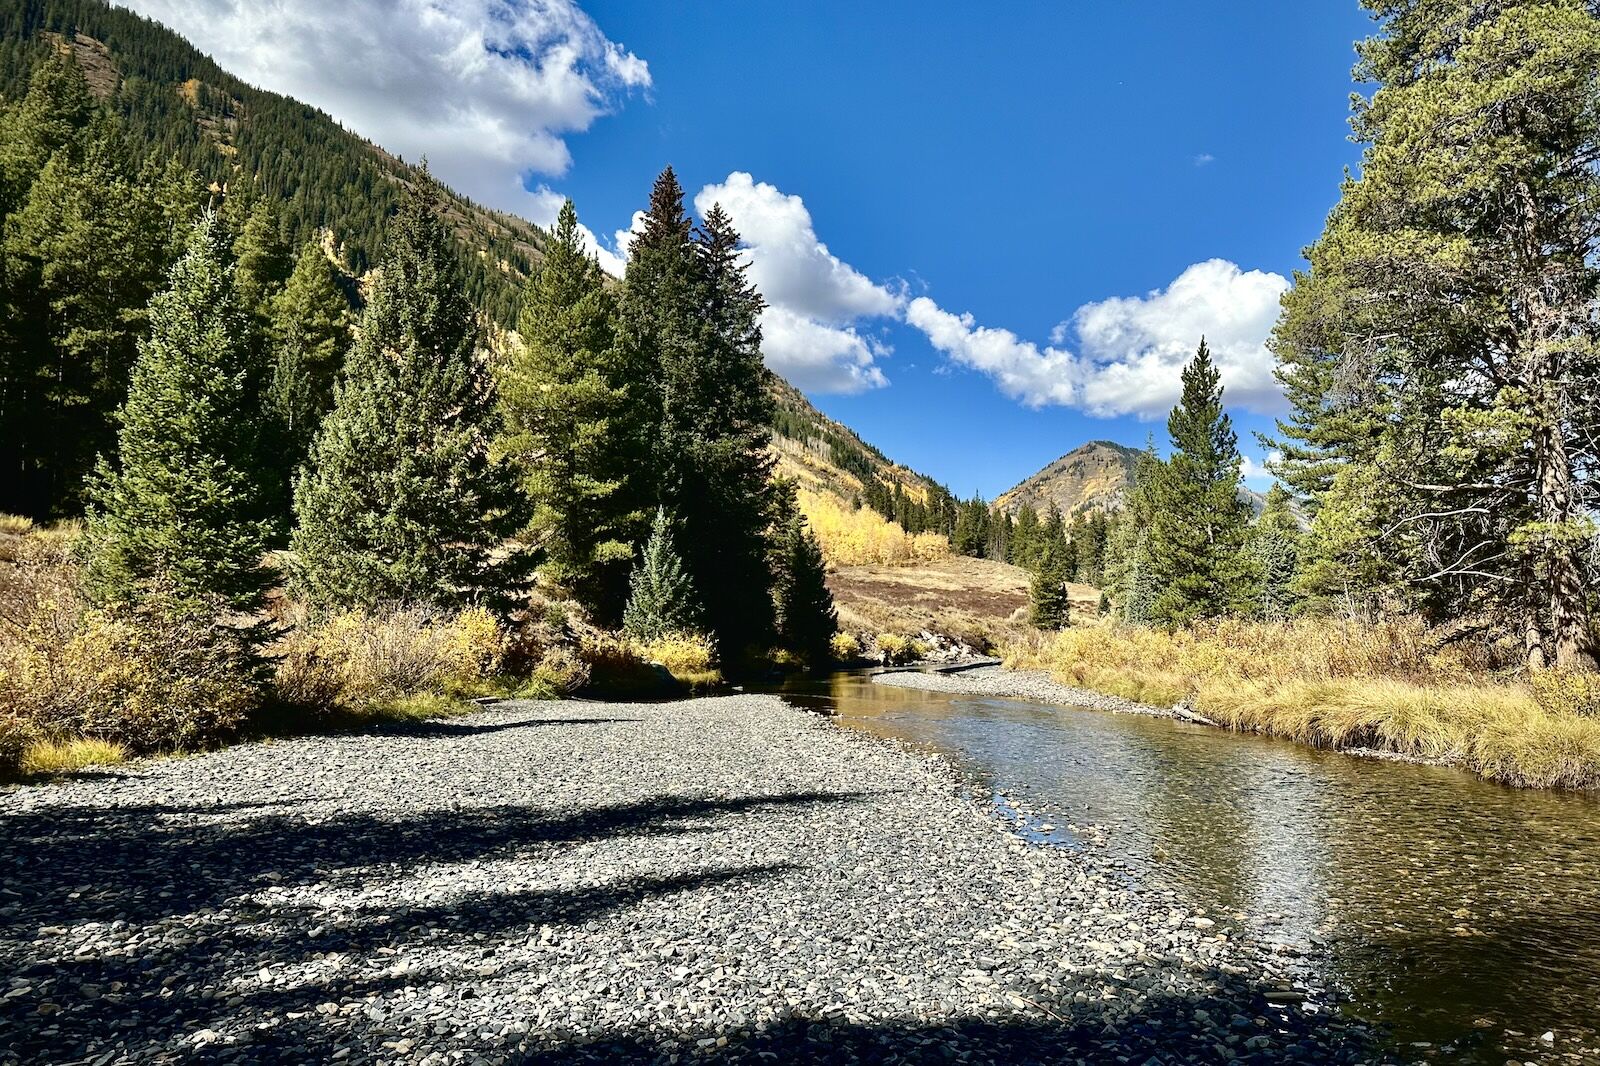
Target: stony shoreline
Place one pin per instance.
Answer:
(728, 879)
(1017, 684)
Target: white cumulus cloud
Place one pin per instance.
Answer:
(1130, 350)
(817, 303)
(487, 89)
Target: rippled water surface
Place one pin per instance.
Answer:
(1446, 907)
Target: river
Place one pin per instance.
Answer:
(1448, 909)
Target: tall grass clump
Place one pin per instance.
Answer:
(1384, 685)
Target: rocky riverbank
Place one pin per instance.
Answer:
(727, 879)
(1016, 684)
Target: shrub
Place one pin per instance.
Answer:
(1567, 692)
(16, 736)
(688, 657)
(152, 678)
(616, 668)
(561, 672)
(894, 649)
(846, 647)
(355, 660)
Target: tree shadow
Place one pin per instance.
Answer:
(446, 728)
(1164, 1031)
(207, 906)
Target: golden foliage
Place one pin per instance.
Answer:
(1347, 684)
(858, 537)
(356, 660)
(688, 657)
(846, 647)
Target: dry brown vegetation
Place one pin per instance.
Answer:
(977, 601)
(1387, 685)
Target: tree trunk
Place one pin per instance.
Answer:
(1571, 635)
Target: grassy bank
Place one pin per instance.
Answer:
(1340, 684)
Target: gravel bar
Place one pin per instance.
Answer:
(1016, 684)
(722, 879)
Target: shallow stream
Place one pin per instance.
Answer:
(1453, 911)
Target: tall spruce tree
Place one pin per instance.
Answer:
(803, 605)
(690, 336)
(1198, 520)
(1441, 353)
(661, 597)
(180, 512)
(716, 414)
(307, 332)
(401, 502)
(569, 425)
(1049, 604)
(1273, 551)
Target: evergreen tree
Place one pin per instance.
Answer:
(690, 336)
(972, 528)
(661, 598)
(180, 513)
(263, 259)
(308, 330)
(83, 256)
(1049, 604)
(1129, 569)
(716, 407)
(1273, 554)
(52, 116)
(803, 606)
(401, 502)
(1440, 355)
(1025, 541)
(566, 408)
(1198, 521)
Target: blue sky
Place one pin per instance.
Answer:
(990, 232)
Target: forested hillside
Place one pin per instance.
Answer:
(174, 103)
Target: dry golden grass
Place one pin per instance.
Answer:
(1343, 684)
(46, 757)
(977, 601)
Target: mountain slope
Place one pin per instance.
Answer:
(173, 100)
(1093, 476)
(828, 456)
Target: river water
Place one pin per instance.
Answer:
(1449, 909)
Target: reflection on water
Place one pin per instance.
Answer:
(1447, 907)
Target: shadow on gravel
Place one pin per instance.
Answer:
(444, 728)
(1163, 1031)
(198, 926)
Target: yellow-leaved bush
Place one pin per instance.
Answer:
(356, 659)
(156, 678)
